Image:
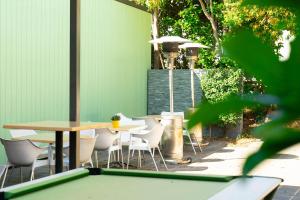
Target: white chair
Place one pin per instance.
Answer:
(125, 135)
(86, 150)
(108, 141)
(22, 132)
(90, 133)
(22, 153)
(185, 132)
(147, 142)
(150, 123)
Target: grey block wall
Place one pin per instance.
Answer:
(158, 90)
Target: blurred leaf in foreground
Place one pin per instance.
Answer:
(282, 83)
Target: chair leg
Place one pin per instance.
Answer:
(128, 158)
(153, 151)
(91, 163)
(108, 159)
(122, 159)
(132, 153)
(140, 160)
(198, 144)
(162, 157)
(191, 143)
(153, 159)
(21, 175)
(32, 172)
(96, 158)
(118, 155)
(4, 177)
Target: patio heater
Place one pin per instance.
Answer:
(172, 140)
(170, 50)
(192, 51)
(192, 54)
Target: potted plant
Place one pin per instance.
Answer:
(115, 121)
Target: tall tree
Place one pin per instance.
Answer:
(207, 8)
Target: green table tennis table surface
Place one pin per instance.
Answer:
(118, 184)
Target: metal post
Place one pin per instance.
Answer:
(74, 109)
(192, 88)
(171, 90)
(58, 152)
(192, 63)
(171, 66)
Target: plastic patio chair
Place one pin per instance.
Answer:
(148, 142)
(185, 132)
(86, 150)
(22, 153)
(48, 151)
(124, 120)
(108, 141)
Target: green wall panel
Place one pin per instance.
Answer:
(34, 60)
(115, 58)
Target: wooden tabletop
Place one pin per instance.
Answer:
(158, 117)
(58, 125)
(128, 128)
(49, 137)
(46, 137)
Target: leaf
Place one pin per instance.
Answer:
(256, 58)
(292, 71)
(268, 3)
(291, 4)
(283, 138)
(208, 113)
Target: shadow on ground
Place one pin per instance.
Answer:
(285, 156)
(287, 192)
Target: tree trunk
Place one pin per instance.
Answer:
(157, 59)
(213, 25)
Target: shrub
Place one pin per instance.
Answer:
(219, 83)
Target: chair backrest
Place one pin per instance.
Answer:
(123, 119)
(139, 122)
(150, 123)
(21, 132)
(86, 148)
(90, 132)
(105, 138)
(154, 136)
(21, 152)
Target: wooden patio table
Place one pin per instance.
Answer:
(59, 127)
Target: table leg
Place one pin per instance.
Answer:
(74, 154)
(58, 152)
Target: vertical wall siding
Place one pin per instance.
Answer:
(115, 58)
(34, 60)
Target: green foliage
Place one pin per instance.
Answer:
(282, 86)
(191, 23)
(185, 18)
(266, 23)
(220, 83)
(115, 118)
(150, 4)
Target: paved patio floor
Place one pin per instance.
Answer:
(223, 158)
